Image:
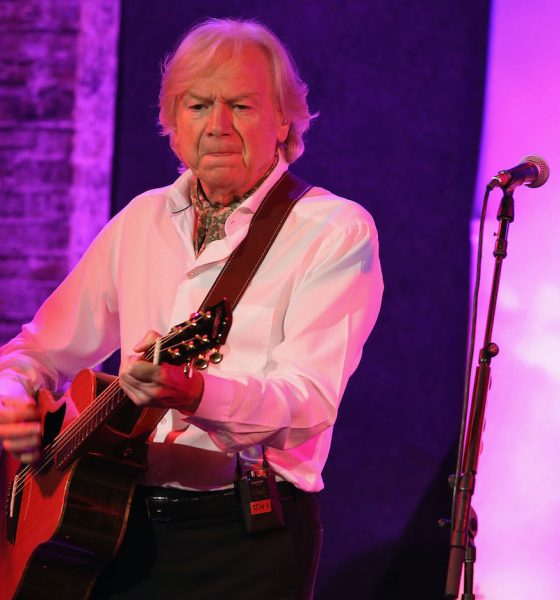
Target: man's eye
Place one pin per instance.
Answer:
(197, 107)
(241, 107)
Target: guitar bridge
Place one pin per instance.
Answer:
(13, 505)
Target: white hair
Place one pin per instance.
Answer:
(196, 53)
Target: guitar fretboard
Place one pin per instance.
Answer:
(69, 445)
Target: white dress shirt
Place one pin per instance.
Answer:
(296, 337)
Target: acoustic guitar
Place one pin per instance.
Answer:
(66, 513)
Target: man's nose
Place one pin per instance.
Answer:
(220, 122)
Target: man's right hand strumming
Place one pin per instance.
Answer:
(20, 429)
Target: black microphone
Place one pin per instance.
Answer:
(532, 171)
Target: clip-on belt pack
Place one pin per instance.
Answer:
(259, 498)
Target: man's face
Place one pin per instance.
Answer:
(228, 125)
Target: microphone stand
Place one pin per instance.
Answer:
(464, 525)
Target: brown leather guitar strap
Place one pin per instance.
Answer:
(231, 283)
(245, 260)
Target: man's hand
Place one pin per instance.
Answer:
(163, 386)
(20, 429)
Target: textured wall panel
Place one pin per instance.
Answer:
(57, 88)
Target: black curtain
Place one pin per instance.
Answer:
(399, 87)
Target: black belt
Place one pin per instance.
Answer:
(172, 504)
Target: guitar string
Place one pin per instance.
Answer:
(99, 405)
(72, 431)
(85, 417)
(75, 427)
(96, 407)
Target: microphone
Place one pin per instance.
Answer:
(532, 171)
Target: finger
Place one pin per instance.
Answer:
(17, 402)
(28, 443)
(28, 457)
(18, 411)
(19, 430)
(126, 362)
(147, 341)
(144, 371)
(138, 396)
(139, 392)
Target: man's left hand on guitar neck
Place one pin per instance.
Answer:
(160, 385)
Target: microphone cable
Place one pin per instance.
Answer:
(470, 356)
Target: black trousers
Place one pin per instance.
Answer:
(214, 558)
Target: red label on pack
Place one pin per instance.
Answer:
(260, 506)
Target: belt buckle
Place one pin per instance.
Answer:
(158, 508)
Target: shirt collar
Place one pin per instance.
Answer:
(178, 198)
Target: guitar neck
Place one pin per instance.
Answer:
(186, 344)
(70, 443)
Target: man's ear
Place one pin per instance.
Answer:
(283, 130)
(173, 142)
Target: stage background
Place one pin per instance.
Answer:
(401, 88)
(518, 488)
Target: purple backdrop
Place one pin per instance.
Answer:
(399, 87)
(518, 486)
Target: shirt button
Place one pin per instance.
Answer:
(191, 274)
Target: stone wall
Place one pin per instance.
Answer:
(57, 89)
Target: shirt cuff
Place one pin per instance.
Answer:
(216, 401)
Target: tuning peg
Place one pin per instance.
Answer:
(200, 363)
(216, 357)
(202, 340)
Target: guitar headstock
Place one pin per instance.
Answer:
(194, 342)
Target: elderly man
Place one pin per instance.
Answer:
(235, 110)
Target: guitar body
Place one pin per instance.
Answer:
(67, 524)
(67, 513)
